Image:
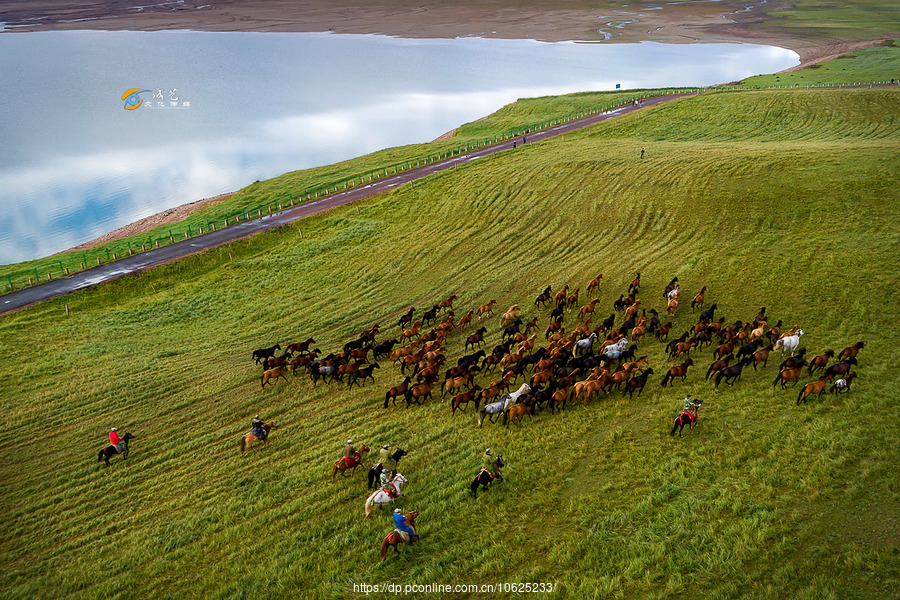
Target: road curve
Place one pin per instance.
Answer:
(157, 256)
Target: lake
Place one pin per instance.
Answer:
(207, 113)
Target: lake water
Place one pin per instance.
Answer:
(220, 110)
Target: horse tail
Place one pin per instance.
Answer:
(474, 487)
(243, 444)
(665, 379)
(481, 414)
(777, 379)
(800, 396)
(100, 456)
(334, 469)
(719, 377)
(369, 504)
(385, 545)
(387, 396)
(506, 417)
(675, 427)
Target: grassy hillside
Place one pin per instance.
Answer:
(780, 199)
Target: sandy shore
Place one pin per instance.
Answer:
(583, 20)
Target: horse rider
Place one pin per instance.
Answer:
(691, 405)
(385, 479)
(256, 428)
(350, 453)
(387, 460)
(406, 532)
(116, 441)
(489, 464)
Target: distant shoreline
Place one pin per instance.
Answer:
(677, 23)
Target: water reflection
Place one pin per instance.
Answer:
(237, 107)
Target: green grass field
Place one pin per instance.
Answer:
(783, 199)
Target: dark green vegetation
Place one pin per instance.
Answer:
(783, 199)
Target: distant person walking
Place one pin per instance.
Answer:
(642, 153)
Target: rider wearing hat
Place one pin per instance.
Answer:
(690, 404)
(256, 428)
(403, 527)
(387, 460)
(116, 441)
(488, 463)
(350, 453)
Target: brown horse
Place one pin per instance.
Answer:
(464, 398)
(248, 439)
(697, 302)
(341, 464)
(677, 371)
(813, 387)
(851, 351)
(300, 346)
(486, 309)
(594, 283)
(588, 308)
(516, 411)
(272, 374)
(394, 538)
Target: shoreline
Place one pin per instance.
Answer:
(725, 21)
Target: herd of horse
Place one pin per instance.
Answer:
(576, 361)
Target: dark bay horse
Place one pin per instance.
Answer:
(110, 450)
(395, 539)
(484, 478)
(686, 418)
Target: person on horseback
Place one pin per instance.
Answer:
(489, 464)
(256, 428)
(406, 532)
(116, 441)
(690, 405)
(388, 464)
(385, 479)
(350, 453)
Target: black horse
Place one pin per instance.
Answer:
(636, 383)
(484, 478)
(375, 472)
(263, 353)
(110, 450)
(686, 418)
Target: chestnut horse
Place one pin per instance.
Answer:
(395, 539)
(341, 464)
(248, 439)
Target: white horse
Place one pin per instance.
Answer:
(585, 344)
(789, 343)
(495, 408)
(614, 351)
(380, 496)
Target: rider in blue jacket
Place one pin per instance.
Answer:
(400, 522)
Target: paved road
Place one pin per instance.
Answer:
(158, 256)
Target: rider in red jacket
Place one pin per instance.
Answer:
(115, 440)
